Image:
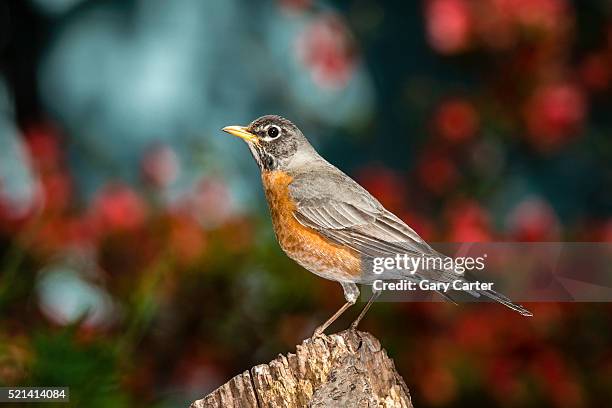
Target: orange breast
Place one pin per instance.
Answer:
(305, 245)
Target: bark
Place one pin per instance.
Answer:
(348, 369)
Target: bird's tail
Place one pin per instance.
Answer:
(493, 295)
(466, 277)
(498, 297)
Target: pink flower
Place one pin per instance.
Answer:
(534, 220)
(209, 202)
(448, 25)
(327, 51)
(160, 166)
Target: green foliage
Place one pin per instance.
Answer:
(89, 368)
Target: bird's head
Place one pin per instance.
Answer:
(274, 142)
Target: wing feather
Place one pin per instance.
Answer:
(345, 213)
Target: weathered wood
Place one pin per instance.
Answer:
(348, 369)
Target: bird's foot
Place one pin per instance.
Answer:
(319, 332)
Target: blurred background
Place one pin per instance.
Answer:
(137, 260)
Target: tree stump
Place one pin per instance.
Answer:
(347, 369)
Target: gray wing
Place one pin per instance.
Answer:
(340, 209)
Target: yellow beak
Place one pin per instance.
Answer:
(241, 132)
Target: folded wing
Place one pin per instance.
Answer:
(344, 212)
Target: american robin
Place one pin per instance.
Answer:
(327, 222)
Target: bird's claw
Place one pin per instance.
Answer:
(319, 332)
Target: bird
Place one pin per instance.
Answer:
(328, 223)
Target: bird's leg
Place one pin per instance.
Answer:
(351, 293)
(319, 330)
(375, 294)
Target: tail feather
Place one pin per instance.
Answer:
(448, 298)
(498, 297)
(491, 294)
(454, 297)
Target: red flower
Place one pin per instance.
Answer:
(57, 188)
(456, 120)
(61, 233)
(469, 222)
(44, 146)
(502, 375)
(118, 207)
(558, 380)
(448, 25)
(437, 172)
(554, 113)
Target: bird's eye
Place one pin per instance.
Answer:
(273, 132)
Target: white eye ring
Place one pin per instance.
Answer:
(270, 134)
